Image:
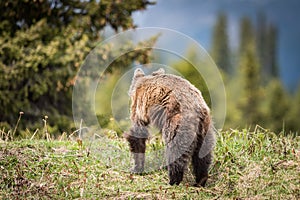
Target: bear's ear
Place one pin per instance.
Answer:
(138, 73)
(158, 72)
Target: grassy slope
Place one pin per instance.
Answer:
(257, 165)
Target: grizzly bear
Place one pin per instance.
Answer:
(178, 110)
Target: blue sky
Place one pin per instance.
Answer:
(196, 18)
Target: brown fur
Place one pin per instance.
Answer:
(178, 109)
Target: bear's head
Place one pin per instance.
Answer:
(139, 75)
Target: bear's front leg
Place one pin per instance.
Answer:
(137, 137)
(139, 161)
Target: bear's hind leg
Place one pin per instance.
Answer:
(202, 156)
(201, 167)
(177, 156)
(179, 145)
(176, 170)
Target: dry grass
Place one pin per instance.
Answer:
(248, 165)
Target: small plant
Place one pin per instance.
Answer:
(45, 129)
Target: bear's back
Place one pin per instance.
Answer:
(182, 91)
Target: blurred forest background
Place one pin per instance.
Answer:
(44, 42)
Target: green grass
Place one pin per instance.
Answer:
(247, 165)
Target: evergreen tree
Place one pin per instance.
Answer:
(294, 113)
(266, 41)
(272, 65)
(277, 106)
(246, 35)
(220, 47)
(43, 44)
(250, 75)
(261, 40)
